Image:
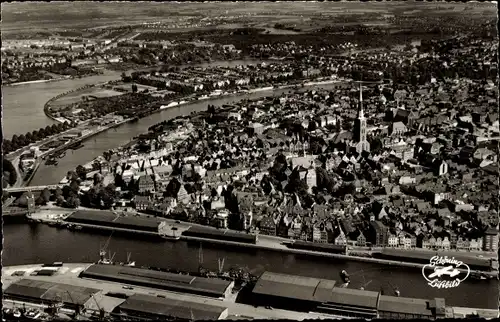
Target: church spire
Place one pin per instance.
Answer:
(360, 110)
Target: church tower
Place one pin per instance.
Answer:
(360, 141)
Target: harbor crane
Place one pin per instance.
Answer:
(200, 259)
(365, 283)
(99, 309)
(102, 252)
(221, 264)
(395, 290)
(78, 307)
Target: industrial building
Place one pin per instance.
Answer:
(422, 257)
(110, 219)
(313, 294)
(147, 307)
(391, 307)
(220, 234)
(319, 295)
(210, 287)
(43, 292)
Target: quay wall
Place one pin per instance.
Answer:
(272, 247)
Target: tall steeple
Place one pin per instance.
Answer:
(360, 107)
(360, 141)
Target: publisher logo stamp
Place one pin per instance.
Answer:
(445, 272)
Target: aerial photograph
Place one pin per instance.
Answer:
(184, 161)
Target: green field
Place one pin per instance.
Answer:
(25, 16)
(76, 97)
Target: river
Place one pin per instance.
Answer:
(121, 135)
(23, 104)
(25, 244)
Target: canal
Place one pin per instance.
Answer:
(25, 244)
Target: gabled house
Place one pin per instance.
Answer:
(340, 238)
(393, 241)
(267, 226)
(183, 196)
(142, 203)
(146, 183)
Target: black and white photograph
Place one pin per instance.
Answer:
(185, 161)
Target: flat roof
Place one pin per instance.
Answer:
(156, 279)
(138, 221)
(427, 255)
(313, 289)
(302, 243)
(292, 286)
(108, 217)
(173, 308)
(217, 232)
(403, 305)
(50, 291)
(91, 215)
(349, 296)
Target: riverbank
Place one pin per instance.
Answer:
(39, 81)
(263, 243)
(182, 101)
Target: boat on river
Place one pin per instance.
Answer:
(171, 238)
(478, 276)
(76, 146)
(129, 263)
(344, 276)
(51, 161)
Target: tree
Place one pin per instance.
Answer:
(45, 195)
(74, 186)
(107, 196)
(12, 174)
(58, 192)
(312, 126)
(23, 200)
(29, 137)
(66, 190)
(21, 140)
(59, 200)
(295, 184)
(97, 179)
(81, 172)
(73, 202)
(172, 188)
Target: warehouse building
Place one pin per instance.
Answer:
(110, 219)
(423, 257)
(147, 307)
(318, 295)
(43, 292)
(210, 287)
(312, 294)
(391, 307)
